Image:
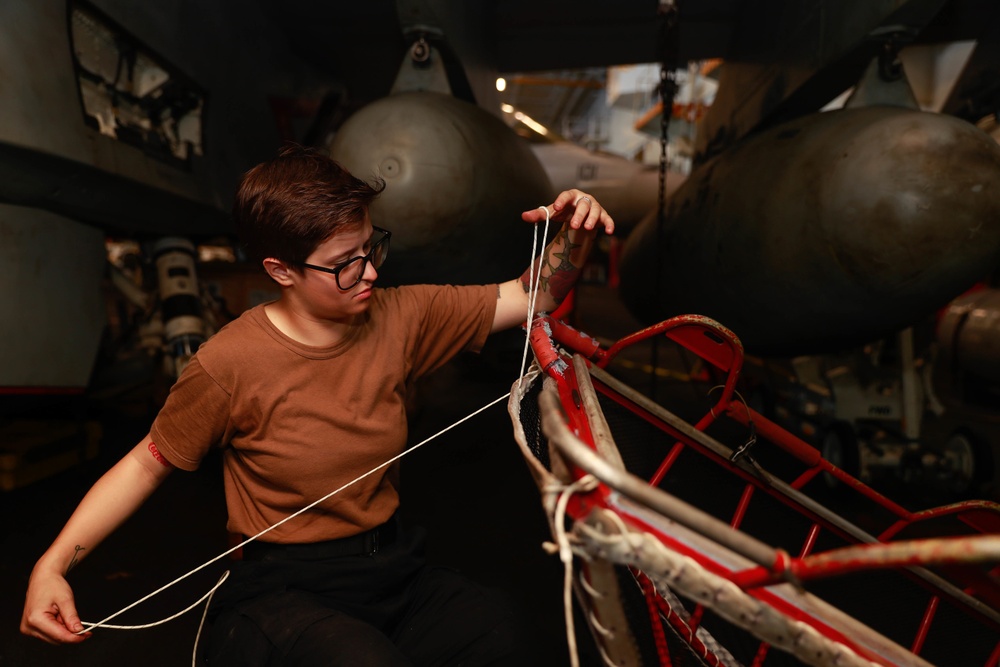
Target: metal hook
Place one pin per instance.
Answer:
(420, 51)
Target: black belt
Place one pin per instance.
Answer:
(367, 543)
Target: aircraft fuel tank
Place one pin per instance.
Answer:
(969, 333)
(457, 180)
(828, 231)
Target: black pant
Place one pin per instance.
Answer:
(302, 606)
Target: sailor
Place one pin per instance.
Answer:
(305, 393)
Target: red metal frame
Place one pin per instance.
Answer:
(720, 348)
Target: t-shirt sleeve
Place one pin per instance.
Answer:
(193, 419)
(452, 319)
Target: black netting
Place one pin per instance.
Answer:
(639, 619)
(637, 616)
(531, 421)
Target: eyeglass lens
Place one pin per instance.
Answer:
(350, 274)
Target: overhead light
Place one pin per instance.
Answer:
(532, 123)
(501, 84)
(506, 108)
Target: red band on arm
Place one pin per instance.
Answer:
(158, 456)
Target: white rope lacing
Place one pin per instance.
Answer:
(534, 280)
(562, 545)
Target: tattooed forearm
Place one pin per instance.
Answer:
(563, 275)
(558, 272)
(531, 273)
(76, 557)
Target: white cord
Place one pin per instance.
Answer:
(102, 624)
(203, 598)
(533, 283)
(201, 623)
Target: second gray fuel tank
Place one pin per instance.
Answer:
(831, 230)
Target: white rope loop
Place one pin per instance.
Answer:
(206, 597)
(533, 283)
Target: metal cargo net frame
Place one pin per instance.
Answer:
(636, 548)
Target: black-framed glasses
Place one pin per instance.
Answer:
(349, 273)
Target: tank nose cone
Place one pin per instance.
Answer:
(457, 179)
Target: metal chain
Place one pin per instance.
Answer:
(668, 87)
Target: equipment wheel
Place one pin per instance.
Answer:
(964, 462)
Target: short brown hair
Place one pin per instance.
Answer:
(285, 207)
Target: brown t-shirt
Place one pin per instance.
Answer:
(297, 422)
